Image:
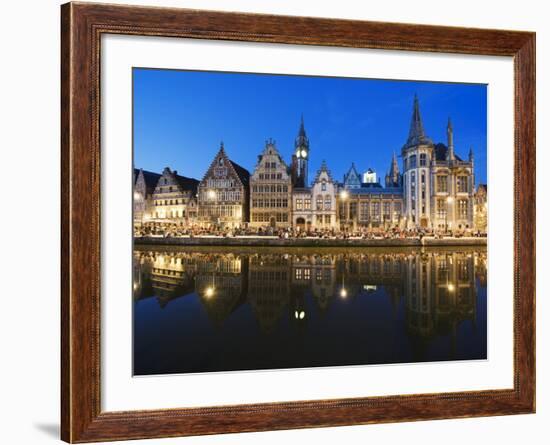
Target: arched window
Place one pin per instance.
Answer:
(319, 202)
(328, 202)
(423, 159)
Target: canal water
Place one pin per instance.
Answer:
(228, 309)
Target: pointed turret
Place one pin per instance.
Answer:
(471, 154)
(393, 178)
(416, 131)
(352, 179)
(450, 142)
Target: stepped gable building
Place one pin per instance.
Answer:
(300, 158)
(438, 184)
(368, 204)
(174, 198)
(315, 207)
(144, 187)
(323, 192)
(270, 190)
(223, 193)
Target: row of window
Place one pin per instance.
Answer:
(410, 162)
(264, 176)
(220, 211)
(371, 211)
(303, 204)
(442, 206)
(220, 195)
(170, 214)
(220, 183)
(441, 183)
(327, 202)
(270, 188)
(270, 165)
(166, 202)
(266, 217)
(270, 203)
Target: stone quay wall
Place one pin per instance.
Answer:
(267, 241)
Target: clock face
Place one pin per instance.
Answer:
(304, 153)
(298, 153)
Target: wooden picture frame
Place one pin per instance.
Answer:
(82, 25)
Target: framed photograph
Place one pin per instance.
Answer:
(276, 222)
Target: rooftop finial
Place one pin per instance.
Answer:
(416, 131)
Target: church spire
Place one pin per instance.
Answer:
(416, 130)
(302, 139)
(393, 178)
(450, 142)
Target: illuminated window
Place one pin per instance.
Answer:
(441, 183)
(319, 202)
(328, 202)
(462, 184)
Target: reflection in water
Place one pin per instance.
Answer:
(209, 310)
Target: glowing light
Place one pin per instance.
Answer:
(343, 292)
(299, 315)
(297, 153)
(451, 287)
(449, 199)
(304, 153)
(137, 196)
(344, 194)
(209, 293)
(211, 194)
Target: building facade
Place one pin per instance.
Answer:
(223, 194)
(438, 185)
(434, 191)
(174, 199)
(324, 191)
(367, 204)
(145, 183)
(270, 190)
(480, 208)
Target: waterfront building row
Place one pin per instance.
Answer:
(435, 191)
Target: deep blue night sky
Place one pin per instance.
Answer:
(180, 117)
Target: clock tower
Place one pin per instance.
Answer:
(300, 158)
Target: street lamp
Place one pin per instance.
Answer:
(344, 195)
